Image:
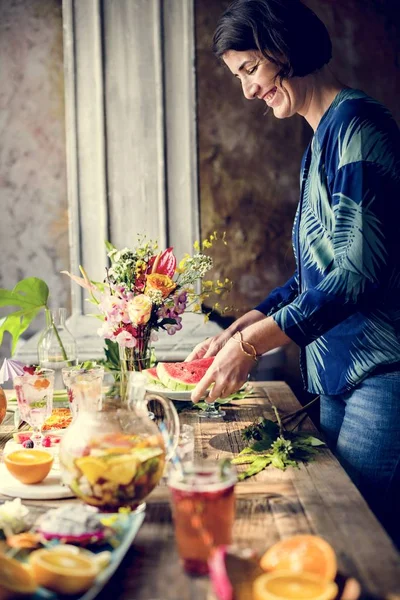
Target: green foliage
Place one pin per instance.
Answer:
(30, 296)
(111, 362)
(270, 444)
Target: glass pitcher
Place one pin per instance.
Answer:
(113, 455)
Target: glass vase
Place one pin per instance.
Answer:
(57, 346)
(135, 359)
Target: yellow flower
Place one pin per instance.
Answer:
(139, 309)
(162, 283)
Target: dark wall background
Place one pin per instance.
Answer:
(249, 163)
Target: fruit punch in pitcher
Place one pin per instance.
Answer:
(203, 506)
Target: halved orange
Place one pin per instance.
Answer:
(302, 554)
(63, 570)
(286, 585)
(15, 578)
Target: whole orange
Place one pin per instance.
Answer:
(3, 405)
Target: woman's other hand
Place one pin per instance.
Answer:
(211, 346)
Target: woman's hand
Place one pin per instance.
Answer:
(228, 373)
(211, 346)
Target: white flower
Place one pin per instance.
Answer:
(12, 516)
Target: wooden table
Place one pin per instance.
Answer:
(316, 498)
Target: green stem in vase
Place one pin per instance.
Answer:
(50, 318)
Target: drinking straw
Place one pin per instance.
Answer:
(175, 460)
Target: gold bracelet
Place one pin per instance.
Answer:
(253, 352)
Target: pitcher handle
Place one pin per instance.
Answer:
(171, 423)
(139, 399)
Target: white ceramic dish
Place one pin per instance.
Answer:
(183, 395)
(48, 489)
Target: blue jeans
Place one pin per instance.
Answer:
(362, 428)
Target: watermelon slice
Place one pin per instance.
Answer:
(151, 375)
(183, 376)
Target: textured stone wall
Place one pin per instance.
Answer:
(249, 162)
(33, 218)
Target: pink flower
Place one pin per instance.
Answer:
(106, 330)
(126, 339)
(139, 309)
(114, 308)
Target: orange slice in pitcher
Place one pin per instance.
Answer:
(286, 585)
(302, 554)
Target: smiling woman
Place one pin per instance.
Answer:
(341, 305)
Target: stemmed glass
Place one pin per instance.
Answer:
(35, 399)
(212, 410)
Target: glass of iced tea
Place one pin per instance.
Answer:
(203, 508)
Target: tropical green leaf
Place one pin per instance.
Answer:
(28, 293)
(16, 323)
(31, 296)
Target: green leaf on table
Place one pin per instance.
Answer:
(244, 392)
(310, 439)
(31, 296)
(269, 444)
(257, 466)
(244, 458)
(261, 434)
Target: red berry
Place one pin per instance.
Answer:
(30, 369)
(46, 442)
(28, 444)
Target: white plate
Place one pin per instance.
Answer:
(183, 395)
(48, 489)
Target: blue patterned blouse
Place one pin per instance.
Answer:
(342, 306)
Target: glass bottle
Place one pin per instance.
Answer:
(57, 346)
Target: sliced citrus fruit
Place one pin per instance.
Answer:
(121, 469)
(285, 585)
(93, 468)
(302, 554)
(63, 571)
(15, 578)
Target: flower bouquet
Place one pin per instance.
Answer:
(146, 290)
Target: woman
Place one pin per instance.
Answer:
(342, 305)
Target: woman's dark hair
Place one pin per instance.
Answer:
(286, 32)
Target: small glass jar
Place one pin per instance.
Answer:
(57, 346)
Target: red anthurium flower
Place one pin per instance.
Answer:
(165, 263)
